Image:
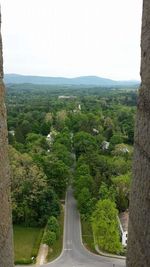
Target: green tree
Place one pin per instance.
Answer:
(83, 181)
(122, 185)
(58, 174)
(33, 201)
(60, 119)
(84, 143)
(120, 165)
(85, 203)
(64, 139)
(45, 128)
(82, 167)
(78, 122)
(62, 153)
(53, 225)
(105, 226)
(116, 139)
(107, 192)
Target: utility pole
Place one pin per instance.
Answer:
(6, 244)
(139, 212)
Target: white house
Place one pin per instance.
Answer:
(125, 150)
(12, 132)
(49, 137)
(105, 145)
(66, 97)
(95, 131)
(123, 222)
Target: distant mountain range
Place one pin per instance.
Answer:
(83, 80)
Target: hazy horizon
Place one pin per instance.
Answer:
(73, 77)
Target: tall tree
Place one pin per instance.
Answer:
(105, 226)
(6, 247)
(139, 225)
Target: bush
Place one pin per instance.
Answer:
(49, 238)
(53, 226)
(24, 261)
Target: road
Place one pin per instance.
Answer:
(74, 253)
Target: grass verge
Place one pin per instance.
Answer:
(56, 249)
(87, 236)
(26, 243)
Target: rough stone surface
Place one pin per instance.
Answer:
(6, 244)
(139, 223)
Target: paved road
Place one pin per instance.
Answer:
(74, 254)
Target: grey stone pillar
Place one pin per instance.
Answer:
(139, 224)
(6, 244)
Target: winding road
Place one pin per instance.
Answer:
(74, 254)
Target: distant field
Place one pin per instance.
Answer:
(26, 243)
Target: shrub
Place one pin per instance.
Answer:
(24, 261)
(49, 238)
(53, 226)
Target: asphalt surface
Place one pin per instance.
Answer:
(74, 254)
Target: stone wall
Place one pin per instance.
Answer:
(139, 222)
(6, 247)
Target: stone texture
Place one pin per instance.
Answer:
(139, 223)
(6, 244)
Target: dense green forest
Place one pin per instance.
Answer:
(80, 135)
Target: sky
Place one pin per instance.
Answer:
(72, 38)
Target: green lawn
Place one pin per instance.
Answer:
(56, 249)
(26, 243)
(87, 236)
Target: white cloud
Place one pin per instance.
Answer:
(72, 37)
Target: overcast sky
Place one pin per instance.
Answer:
(72, 37)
